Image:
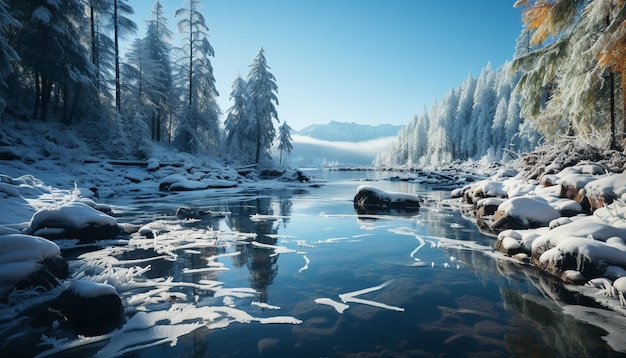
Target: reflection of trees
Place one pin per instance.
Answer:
(260, 262)
(536, 298)
(285, 205)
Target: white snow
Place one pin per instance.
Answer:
(75, 215)
(277, 248)
(338, 306)
(351, 297)
(264, 305)
(613, 184)
(21, 255)
(529, 210)
(306, 264)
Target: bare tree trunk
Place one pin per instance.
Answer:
(614, 144)
(66, 100)
(37, 95)
(623, 81)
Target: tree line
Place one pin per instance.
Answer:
(61, 60)
(564, 81)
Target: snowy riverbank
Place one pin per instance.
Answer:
(562, 210)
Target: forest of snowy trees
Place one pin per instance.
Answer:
(61, 61)
(561, 83)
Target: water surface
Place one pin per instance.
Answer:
(456, 299)
(430, 284)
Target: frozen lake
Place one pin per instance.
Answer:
(294, 272)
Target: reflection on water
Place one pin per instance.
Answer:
(457, 299)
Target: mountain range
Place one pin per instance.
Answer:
(335, 131)
(340, 144)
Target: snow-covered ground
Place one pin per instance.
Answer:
(564, 215)
(52, 186)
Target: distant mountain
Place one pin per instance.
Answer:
(340, 144)
(348, 132)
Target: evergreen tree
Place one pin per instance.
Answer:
(483, 111)
(7, 53)
(284, 137)
(460, 146)
(580, 43)
(121, 25)
(157, 43)
(139, 133)
(53, 58)
(198, 130)
(260, 106)
(236, 144)
(480, 118)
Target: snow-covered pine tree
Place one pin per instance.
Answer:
(483, 111)
(198, 130)
(236, 147)
(260, 106)
(122, 25)
(575, 62)
(158, 48)
(139, 137)
(460, 138)
(138, 89)
(7, 53)
(54, 65)
(284, 138)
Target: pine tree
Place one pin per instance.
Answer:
(460, 139)
(237, 147)
(260, 106)
(284, 137)
(121, 26)
(483, 111)
(576, 63)
(53, 59)
(158, 51)
(7, 53)
(198, 130)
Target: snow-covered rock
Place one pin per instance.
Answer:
(29, 261)
(370, 199)
(74, 220)
(605, 190)
(90, 308)
(179, 182)
(523, 212)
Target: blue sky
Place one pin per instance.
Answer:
(363, 61)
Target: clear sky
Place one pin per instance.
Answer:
(363, 61)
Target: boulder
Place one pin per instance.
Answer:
(509, 242)
(90, 308)
(369, 199)
(488, 206)
(29, 261)
(522, 213)
(188, 212)
(75, 220)
(605, 190)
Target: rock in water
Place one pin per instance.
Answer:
(370, 199)
(90, 308)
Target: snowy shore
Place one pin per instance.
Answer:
(559, 211)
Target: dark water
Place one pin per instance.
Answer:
(442, 294)
(458, 302)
